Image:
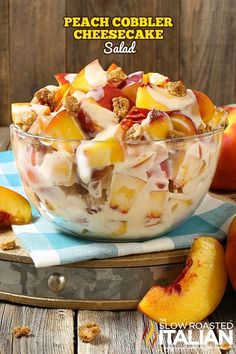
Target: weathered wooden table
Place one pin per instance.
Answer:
(123, 332)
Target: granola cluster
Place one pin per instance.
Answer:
(25, 119)
(120, 106)
(21, 331)
(89, 331)
(8, 245)
(135, 132)
(176, 88)
(45, 97)
(116, 75)
(71, 105)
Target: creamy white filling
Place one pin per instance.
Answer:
(70, 77)
(83, 168)
(171, 102)
(95, 75)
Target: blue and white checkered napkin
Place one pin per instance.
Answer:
(47, 246)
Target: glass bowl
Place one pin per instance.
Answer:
(134, 191)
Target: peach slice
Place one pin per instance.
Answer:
(90, 77)
(157, 200)
(206, 106)
(144, 99)
(124, 191)
(64, 126)
(110, 92)
(100, 153)
(112, 67)
(14, 208)
(121, 228)
(64, 78)
(98, 116)
(130, 85)
(157, 79)
(230, 253)
(157, 125)
(196, 292)
(183, 124)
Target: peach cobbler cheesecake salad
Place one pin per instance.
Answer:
(108, 155)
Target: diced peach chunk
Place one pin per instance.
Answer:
(14, 208)
(124, 191)
(157, 200)
(158, 125)
(64, 126)
(144, 99)
(90, 77)
(102, 153)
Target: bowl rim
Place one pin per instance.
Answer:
(15, 128)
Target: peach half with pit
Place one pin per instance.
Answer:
(14, 208)
(196, 292)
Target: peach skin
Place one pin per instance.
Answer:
(230, 253)
(14, 208)
(196, 292)
(225, 176)
(205, 105)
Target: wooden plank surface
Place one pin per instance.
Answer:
(207, 47)
(52, 330)
(121, 332)
(4, 138)
(37, 45)
(151, 54)
(4, 63)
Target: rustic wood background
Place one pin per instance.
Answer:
(200, 48)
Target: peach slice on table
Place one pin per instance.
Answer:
(90, 77)
(230, 253)
(196, 292)
(97, 154)
(14, 208)
(206, 106)
(130, 85)
(124, 191)
(157, 125)
(183, 124)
